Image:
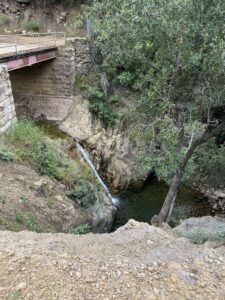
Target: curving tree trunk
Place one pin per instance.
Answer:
(168, 204)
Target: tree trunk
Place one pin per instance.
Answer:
(168, 204)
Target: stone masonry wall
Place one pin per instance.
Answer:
(7, 109)
(45, 90)
(82, 55)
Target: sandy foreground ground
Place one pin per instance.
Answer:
(137, 261)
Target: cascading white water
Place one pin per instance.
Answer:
(87, 158)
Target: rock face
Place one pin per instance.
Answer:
(136, 262)
(7, 109)
(202, 229)
(216, 197)
(110, 149)
(49, 15)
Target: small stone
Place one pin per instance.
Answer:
(21, 286)
(156, 291)
(173, 278)
(78, 274)
(149, 242)
(20, 178)
(203, 284)
(150, 269)
(59, 198)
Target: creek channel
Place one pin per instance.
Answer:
(142, 204)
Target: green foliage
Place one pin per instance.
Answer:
(5, 153)
(99, 106)
(85, 193)
(26, 133)
(27, 220)
(178, 214)
(200, 236)
(29, 143)
(80, 83)
(4, 20)
(31, 26)
(209, 163)
(16, 295)
(81, 229)
(171, 53)
(46, 160)
(24, 199)
(126, 79)
(27, 136)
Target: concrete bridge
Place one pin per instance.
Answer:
(37, 75)
(21, 50)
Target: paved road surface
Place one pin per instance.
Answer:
(27, 43)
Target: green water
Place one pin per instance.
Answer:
(51, 130)
(143, 204)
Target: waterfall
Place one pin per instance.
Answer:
(87, 158)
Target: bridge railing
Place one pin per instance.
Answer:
(17, 43)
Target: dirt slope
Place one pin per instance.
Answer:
(136, 262)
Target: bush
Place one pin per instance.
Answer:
(81, 229)
(5, 153)
(47, 160)
(179, 213)
(126, 79)
(31, 25)
(200, 236)
(26, 135)
(85, 193)
(27, 220)
(4, 20)
(99, 106)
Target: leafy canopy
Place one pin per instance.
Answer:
(172, 55)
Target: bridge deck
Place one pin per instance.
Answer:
(13, 45)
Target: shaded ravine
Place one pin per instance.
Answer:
(144, 203)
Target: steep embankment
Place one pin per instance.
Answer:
(136, 262)
(29, 201)
(46, 187)
(29, 15)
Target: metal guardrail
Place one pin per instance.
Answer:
(18, 42)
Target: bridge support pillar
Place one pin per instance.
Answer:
(7, 108)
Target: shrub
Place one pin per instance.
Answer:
(31, 25)
(4, 20)
(46, 160)
(200, 236)
(80, 83)
(81, 229)
(179, 213)
(26, 135)
(27, 220)
(85, 193)
(99, 106)
(126, 79)
(25, 132)
(5, 153)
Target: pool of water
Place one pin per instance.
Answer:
(143, 204)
